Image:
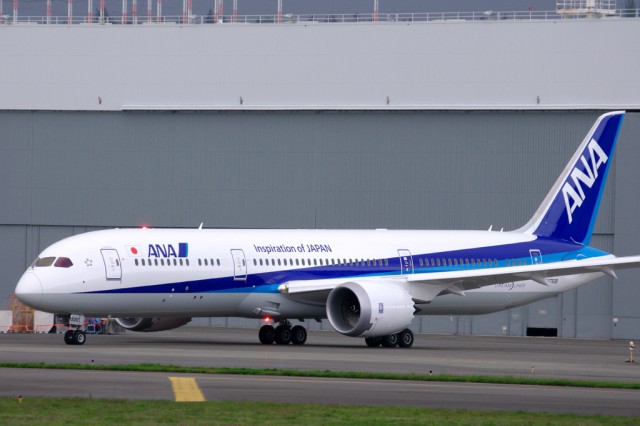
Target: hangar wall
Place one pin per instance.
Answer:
(63, 173)
(442, 65)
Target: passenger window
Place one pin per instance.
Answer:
(142, 261)
(455, 262)
(438, 262)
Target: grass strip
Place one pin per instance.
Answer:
(162, 368)
(85, 411)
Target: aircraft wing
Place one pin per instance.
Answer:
(424, 287)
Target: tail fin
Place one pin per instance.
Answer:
(569, 210)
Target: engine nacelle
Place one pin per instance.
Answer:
(152, 324)
(371, 309)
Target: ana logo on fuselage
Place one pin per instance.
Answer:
(574, 195)
(167, 250)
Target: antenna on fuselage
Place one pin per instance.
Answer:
(201, 223)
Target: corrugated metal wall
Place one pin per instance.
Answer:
(67, 172)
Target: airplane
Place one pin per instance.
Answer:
(368, 283)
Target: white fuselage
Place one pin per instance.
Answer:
(198, 272)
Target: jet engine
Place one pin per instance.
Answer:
(152, 324)
(371, 309)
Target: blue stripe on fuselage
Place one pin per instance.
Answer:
(267, 282)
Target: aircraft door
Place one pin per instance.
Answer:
(112, 266)
(406, 262)
(239, 265)
(536, 257)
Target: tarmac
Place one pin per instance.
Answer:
(435, 354)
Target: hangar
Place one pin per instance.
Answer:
(425, 123)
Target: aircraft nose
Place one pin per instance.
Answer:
(29, 290)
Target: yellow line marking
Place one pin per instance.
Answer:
(186, 389)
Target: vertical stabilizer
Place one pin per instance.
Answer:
(569, 210)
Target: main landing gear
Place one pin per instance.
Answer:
(283, 334)
(75, 337)
(404, 339)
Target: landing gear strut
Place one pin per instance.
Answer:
(283, 334)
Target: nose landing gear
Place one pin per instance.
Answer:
(75, 337)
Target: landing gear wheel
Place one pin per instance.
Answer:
(372, 342)
(390, 341)
(298, 335)
(406, 338)
(79, 337)
(68, 337)
(267, 335)
(283, 335)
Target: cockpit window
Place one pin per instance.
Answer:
(63, 262)
(44, 261)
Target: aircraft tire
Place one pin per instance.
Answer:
(79, 337)
(406, 338)
(298, 335)
(68, 338)
(283, 335)
(372, 342)
(267, 335)
(390, 341)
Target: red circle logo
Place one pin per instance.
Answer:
(134, 250)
